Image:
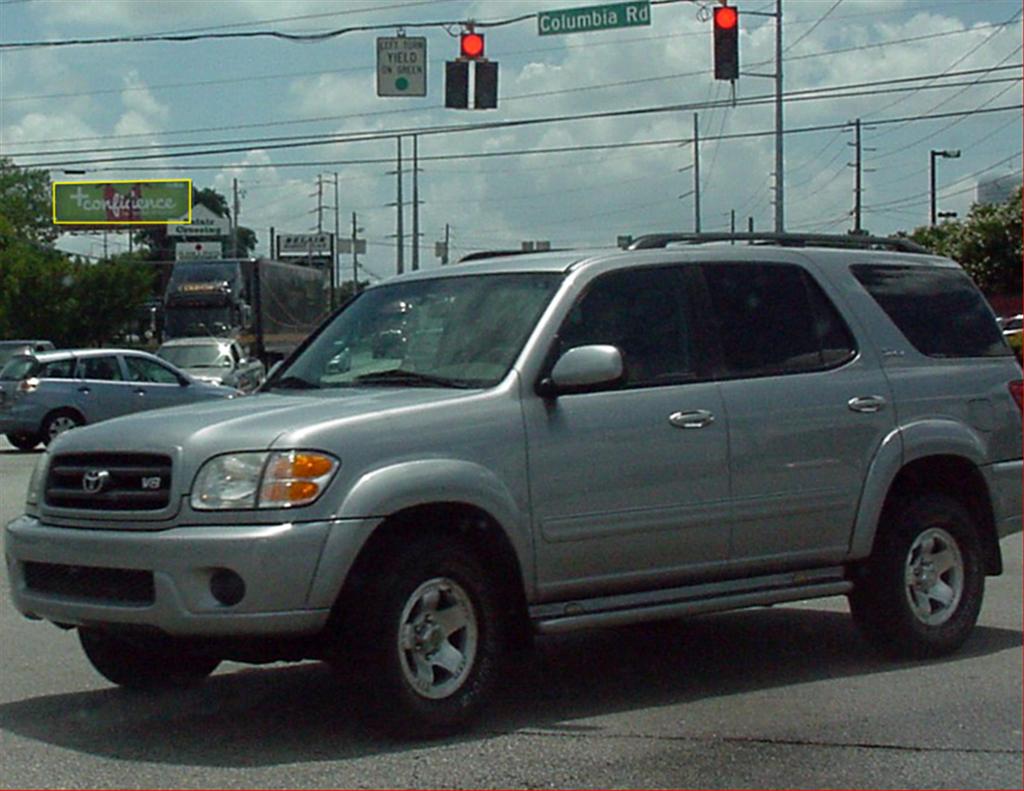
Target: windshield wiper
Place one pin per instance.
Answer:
(293, 383)
(399, 377)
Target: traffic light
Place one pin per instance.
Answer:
(471, 46)
(727, 42)
(457, 76)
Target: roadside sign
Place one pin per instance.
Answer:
(191, 251)
(402, 66)
(204, 223)
(345, 246)
(596, 17)
(140, 202)
(293, 244)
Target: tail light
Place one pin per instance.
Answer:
(28, 385)
(1017, 391)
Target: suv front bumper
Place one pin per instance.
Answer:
(74, 574)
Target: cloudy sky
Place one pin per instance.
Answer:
(922, 75)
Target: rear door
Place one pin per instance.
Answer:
(100, 390)
(808, 408)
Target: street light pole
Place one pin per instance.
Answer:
(945, 154)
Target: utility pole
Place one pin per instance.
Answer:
(447, 242)
(696, 175)
(750, 224)
(401, 208)
(335, 255)
(355, 256)
(319, 203)
(856, 178)
(732, 223)
(780, 180)
(415, 203)
(234, 220)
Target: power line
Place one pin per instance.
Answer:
(534, 95)
(299, 141)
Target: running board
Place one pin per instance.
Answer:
(558, 617)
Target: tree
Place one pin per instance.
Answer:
(987, 243)
(25, 204)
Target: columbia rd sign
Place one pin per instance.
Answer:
(146, 202)
(598, 17)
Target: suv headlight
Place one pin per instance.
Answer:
(282, 479)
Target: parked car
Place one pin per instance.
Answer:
(567, 440)
(219, 361)
(10, 348)
(43, 395)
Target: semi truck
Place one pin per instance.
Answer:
(268, 306)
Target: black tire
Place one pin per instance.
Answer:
(427, 632)
(143, 664)
(23, 440)
(921, 590)
(58, 422)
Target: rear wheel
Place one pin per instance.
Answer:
(143, 663)
(428, 632)
(23, 440)
(922, 588)
(59, 422)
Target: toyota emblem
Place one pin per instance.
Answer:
(94, 481)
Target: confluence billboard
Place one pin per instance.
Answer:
(138, 202)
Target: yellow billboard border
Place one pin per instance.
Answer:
(53, 200)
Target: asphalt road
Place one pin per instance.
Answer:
(787, 697)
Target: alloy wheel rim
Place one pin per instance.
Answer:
(934, 577)
(438, 638)
(61, 424)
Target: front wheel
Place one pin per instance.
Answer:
(23, 440)
(143, 664)
(429, 632)
(922, 588)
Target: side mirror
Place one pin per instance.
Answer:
(583, 368)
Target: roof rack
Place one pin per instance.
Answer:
(849, 241)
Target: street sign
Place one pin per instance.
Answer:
(402, 66)
(292, 244)
(596, 17)
(345, 246)
(139, 202)
(191, 251)
(204, 223)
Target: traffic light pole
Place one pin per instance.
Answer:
(780, 180)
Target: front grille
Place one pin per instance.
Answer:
(122, 586)
(109, 481)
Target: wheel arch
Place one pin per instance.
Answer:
(62, 410)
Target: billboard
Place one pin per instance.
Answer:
(138, 202)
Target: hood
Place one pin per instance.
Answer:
(257, 422)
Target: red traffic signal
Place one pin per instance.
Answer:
(725, 17)
(727, 42)
(471, 45)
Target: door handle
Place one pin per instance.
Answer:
(139, 391)
(698, 418)
(85, 390)
(866, 403)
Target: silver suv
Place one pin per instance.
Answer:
(543, 443)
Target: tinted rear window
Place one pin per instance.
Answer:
(940, 311)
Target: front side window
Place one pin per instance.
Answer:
(104, 369)
(773, 319)
(643, 313)
(458, 331)
(937, 309)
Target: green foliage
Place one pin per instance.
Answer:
(1016, 341)
(987, 244)
(44, 294)
(25, 204)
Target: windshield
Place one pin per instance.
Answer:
(204, 272)
(18, 368)
(190, 321)
(443, 332)
(195, 356)
(7, 352)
